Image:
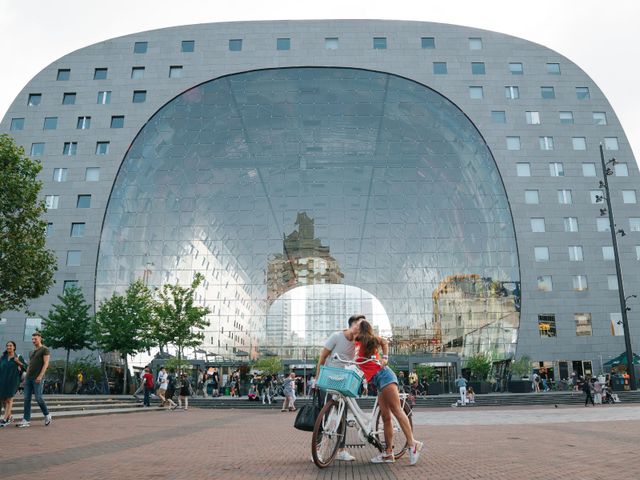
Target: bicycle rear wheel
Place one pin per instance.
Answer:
(400, 443)
(328, 433)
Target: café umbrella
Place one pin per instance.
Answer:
(622, 360)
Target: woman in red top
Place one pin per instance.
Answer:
(368, 346)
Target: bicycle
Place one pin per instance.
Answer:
(331, 424)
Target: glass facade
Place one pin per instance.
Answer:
(304, 195)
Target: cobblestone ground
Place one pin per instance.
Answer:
(471, 443)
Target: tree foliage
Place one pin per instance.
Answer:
(479, 365)
(26, 266)
(269, 365)
(522, 367)
(426, 371)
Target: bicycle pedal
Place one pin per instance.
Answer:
(351, 423)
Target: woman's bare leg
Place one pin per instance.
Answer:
(391, 399)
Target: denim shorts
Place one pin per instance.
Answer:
(383, 378)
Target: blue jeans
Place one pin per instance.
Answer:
(147, 393)
(30, 386)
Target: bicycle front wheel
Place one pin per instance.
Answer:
(328, 432)
(400, 442)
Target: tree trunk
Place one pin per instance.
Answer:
(125, 376)
(64, 374)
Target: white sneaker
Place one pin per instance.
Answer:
(383, 458)
(23, 424)
(414, 452)
(345, 456)
(47, 420)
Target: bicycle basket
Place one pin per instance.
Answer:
(347, 382)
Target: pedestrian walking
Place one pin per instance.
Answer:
(163, 385)
(33, 383)
(171, 388)
(265, 387)
(12, 366)
(147, 382)
(185, 391)
(215, 382)
(597, 391)
(461, 383)
(587, 388)
(289, 388)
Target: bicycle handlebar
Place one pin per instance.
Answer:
(353, 362)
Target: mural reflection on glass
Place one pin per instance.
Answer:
(307, 194)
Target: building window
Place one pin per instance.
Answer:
(34, 99)
(553, 68)
(104, 97)
(566, 118)
(69, 284)
(629, 196)
(84, 201)
(475, 43)
(140, 47)
(51, 202)
(547, 325)
(31, 325)
(616, 324)
(100, 74)
(541, 254)
(546, 143)
(513, 143)
(533, 118)
(611, 143)
(379, 43)
(512, 92)
(579, 143)
(92, 174)
(117, 121)
(582, 93)
(102, 148)
(588, 169)
(564, 197)
(188, 46)
(602, 225)
(545, 283)
(612, 282)
(37, 149)
(428, 42)
(596, 196)
(48, 230)
(331, 43)
(531, 197)
(69, 98)
(498, 116)
(583, 324)
(73, 258)
(235, 45)
(599, 118)
(607, 253)
(547, 92)
(283, 44)
(70, 148)
(621, 170)
(137, 73)
(523, 169)
(16, 124)
(570, 224)
(77, 230)
(634, 224)
(579, 283)
(476, 93)
(637, 252)
(575, 253)
(60, 174)
(63, 74)
(440, 68)
(516, 68)
(175, 71)
(84, 123)
(556, 169)
(478, 68)
(139, 96)
(537, 225)
(50, 123)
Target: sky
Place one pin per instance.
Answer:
(601, 37)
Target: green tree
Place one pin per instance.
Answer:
(123, 323)
(426, 371)
(480, 366)
(270, 365)
(26, 266)
(178, 320)
(68, 325)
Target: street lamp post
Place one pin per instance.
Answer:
(606, 171)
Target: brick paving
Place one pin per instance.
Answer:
(497, 444)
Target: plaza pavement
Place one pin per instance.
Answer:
(463, 443)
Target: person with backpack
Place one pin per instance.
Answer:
(171, 388)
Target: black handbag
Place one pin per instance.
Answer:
(307, 415)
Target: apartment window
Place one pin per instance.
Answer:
(175, 71)
(16, 124)
(553, 68)
(92, 174)
(588, 169)
(31, 325)
(100, 74)
(607, 253)
(533, 118)
(545, 283)
(596, 196)
(478, 68)
(634, 224)
(582, 93)
(537, 225)
(556, 169)
(70, 148)
(283, 44)
(513, 143)
(60, 174)
(428, 42)
(621, 170)
(51, 202)
(117, 121)
(599, 118)
(139, 96)
(84, 123)
(629, 196)
(637, 252)
(84, 201)
(616, 324)
(77, 230)
(34, 99)
(512, 92)
(575, 253)
(498, 116)
(69, 284)
(523, 169)
(570, 224)
(475, 43)
(137, 73)
(602, 225)
(583, 324)
(547, 92)
(63, 74)
(579, 143)
(531, 197)
(379, 43)
(331, 43)
(69, 98)
(140, 47)
(188, 46)
(546, 143)
(48, 230)
(612, 282)
(516, 68)
(73, 258)
(102, 148)
(440, 68)
(476, 93)
(235, 44)
(579, 283)
(547, 325)
(50, 123)
(541, 254)
(566, 118)
(37, 149)
(564, 197)
(104, 97)
(611, 143)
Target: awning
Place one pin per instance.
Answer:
(622, 360)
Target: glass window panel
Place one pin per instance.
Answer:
(37, 149)
(611, 143)
(547, 92)
(570, 224)
(583, 324)
(531, 197)
(139, 96)
(634, 224)
(553, 68)
(34, 99)
(607, 253)
(629, 196)
(564, 197)
(602, 225)
(575, 253)
(84, 201)
(92, 174)
(566, 118)
(63, 74)
(102, 148)
(69, 98)
(140, 47)
(77, 230)
(137, 73)
(73, 258)
(50, 123)
(478, 68)
(235, 44)
(579, 143)
(84, 123)
(513, 143)
(70, 148)
(556, 169)
(537, 225)
(545, 283)
(16, 124)
(596, 196)
(283, 44)
(547, 325)
(541, 254)
(51, 202)
(68, 284)
(104, 97)
(621, 170)
(175, 71)
(599, 118)
(533, 118)
(516, 68)
(428, 42)
(117, 121)
(580, 283)
(188, 46)
(475, 43)
(31, 325)
(637, 252)
(476, 92)
(546, 143)
(523, 169)
(100, 74)
(379, 43)
(498, 116)
(440, 68)
(612, 282)
(60, 174)
(582, 93)
(588, 169)
(512, 92)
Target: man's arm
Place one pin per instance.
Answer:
(45, 365)
(323, 358)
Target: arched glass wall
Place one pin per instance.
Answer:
(373, 192)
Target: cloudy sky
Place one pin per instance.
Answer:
(601, 37)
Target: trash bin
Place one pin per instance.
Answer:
(227, 391)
